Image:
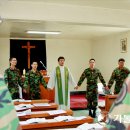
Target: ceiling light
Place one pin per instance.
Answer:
(43, 32)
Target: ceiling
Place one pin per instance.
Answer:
(16, 28)
(113, 4)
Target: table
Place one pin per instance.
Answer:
(55, 124)
(45, 115)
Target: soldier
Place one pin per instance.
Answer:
(32, 82)
(13, 78)
(119, 114)
(119, 75)
(91, 74)
(8, 117)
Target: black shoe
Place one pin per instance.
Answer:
(94, 114)
(90, 113)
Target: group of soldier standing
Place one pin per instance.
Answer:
(34, 78)
(30, 83)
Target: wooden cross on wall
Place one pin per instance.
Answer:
(28, 47)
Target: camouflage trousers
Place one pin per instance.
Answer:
(117, 88)
(92, 99)
(14, 92)
(34, 95)
(15, 95)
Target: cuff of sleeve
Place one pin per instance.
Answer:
(79, 85)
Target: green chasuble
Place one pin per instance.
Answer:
(8, 117)
(59, 85)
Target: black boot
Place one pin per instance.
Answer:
(90, 112)
(94, 113)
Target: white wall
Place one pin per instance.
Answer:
(4, 54)
(106, 51)
(76, 52)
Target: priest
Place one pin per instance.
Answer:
(62, 79)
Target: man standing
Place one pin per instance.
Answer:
(32, 82)
(91, 74)
(62, 79)
(13, 78)
(119, 75)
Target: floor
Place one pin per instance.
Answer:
(79, 101)
(80, 112)
(85, 113)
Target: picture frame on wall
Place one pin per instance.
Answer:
(123, 45)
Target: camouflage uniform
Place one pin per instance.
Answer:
(32, 82)
(119, 118)
(119, 75)
(92, 89)
(8, 117)
(13, 79)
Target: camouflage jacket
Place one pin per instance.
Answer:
(13, 79)
(92, 77)
(32, 82)
(118, 75)
(8, 117)
(119, 112)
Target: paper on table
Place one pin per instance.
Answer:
(19, 108)
(21, 100)
(24, 100)
(41, 104)
(33, 120)
(51, 120)
(38, 112)
(87, 126)
(23, 113)
(23, 123)
(36, 120)
(23, 106)
(54, 112)
(64, 118)
(16, 100)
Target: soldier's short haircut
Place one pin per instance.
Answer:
(34, 61)
(10, 59)
(91, 59)
(61, 57)
(121, 59)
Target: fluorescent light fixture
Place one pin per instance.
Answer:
(43, 32)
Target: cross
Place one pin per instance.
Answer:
(28, 47)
